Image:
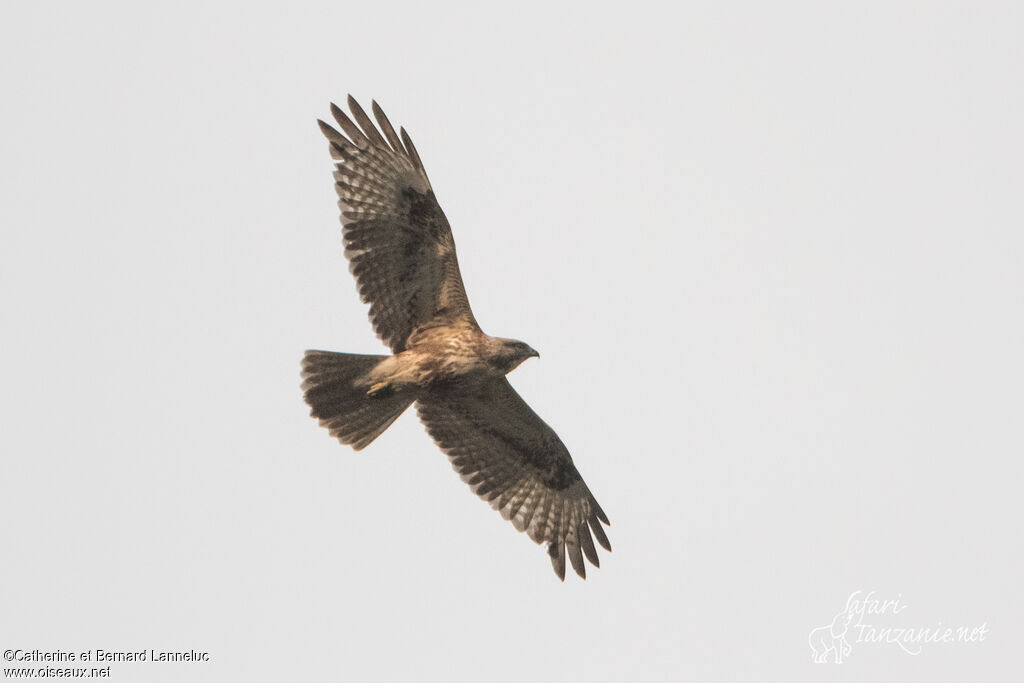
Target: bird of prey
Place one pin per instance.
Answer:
(400, 250)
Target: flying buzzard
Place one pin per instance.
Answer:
(400, 249)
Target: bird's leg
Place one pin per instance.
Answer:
(380, 390)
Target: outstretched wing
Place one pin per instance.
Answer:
(397, 239)
(517, 463)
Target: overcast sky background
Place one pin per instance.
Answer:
(770, 253)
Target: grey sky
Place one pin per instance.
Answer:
(771, 257)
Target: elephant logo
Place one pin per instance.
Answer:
(831, 639)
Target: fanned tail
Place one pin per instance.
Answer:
(346, 410)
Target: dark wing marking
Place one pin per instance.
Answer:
(397, 239)
(516, 462)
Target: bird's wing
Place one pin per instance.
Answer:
(397, 239)
(516, 462)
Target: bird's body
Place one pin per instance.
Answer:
(445, 354)
(401, 251)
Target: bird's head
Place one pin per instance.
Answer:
(510, 353)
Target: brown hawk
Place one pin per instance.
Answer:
(400, 249)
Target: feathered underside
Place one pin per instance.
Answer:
(401, 251)
(513, 460)
(397, 239)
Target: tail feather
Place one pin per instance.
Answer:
(347, 411)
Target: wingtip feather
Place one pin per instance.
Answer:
(365, 123)
(587, 543)
(326, 128)
(389, 130)
(413, 154)
(576, 558)
(351, 129)
(595, 526)
(556, 550)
